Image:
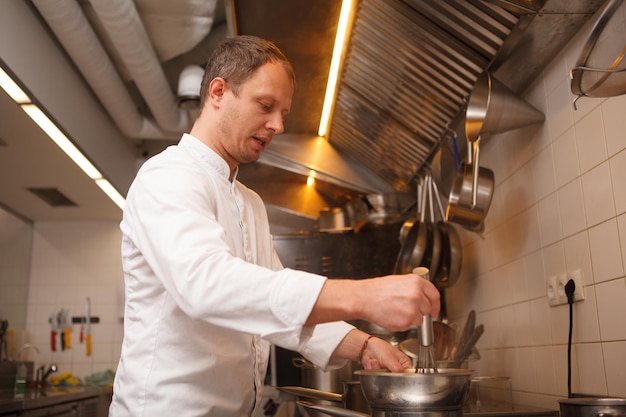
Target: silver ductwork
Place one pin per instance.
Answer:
(127, 33)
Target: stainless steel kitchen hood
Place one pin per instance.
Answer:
(409, 70)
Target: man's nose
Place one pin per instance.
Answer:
(276, 123)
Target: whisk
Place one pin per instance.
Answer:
(426, 363)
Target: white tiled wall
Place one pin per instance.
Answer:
(559, 206)
(70, 262)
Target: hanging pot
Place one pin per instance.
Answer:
(472, 191)
(451, 257)
(415, 235)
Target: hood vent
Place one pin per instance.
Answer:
(408, 70)
(52, 196)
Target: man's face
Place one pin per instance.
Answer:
(250, 120)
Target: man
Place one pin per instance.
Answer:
(205, 291)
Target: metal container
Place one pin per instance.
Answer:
(410, 391)
(593, 407)
(324, 381)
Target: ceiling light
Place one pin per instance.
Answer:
(109, 190)
(341, 41)
(58, 137)
(12, 89)
(61, 140)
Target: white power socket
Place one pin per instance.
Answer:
(555, 288)
(579, 291)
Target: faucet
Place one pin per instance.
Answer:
(42, 375)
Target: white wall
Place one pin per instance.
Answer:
(559, 206)
(70, 262)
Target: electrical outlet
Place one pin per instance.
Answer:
(551, 290)
(579, 290)
(561, 280)
(555, 288)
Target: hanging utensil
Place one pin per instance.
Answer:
(472, 192)
(451, 257)
(414, 245)
(88, 330)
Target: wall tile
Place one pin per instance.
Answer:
(611, 309)
(523, 324)
(590, 360)
(554, 260)
(590, 141)
(544, 179)
(586, 327)
(598, 194)
(572, 208)
(560, 365)
(545, 370)
(615, 367)
(605, 251)
(621, 224)
(525, 376)
(565, 153)
(549, 221)
(535, 275)
(539, 312)
(578, 256)
(517, 277)
(618, 179)
(614, 123)
(530, 235)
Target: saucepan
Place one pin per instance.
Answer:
(593, 407)
(351, 399)
(445, 392)
(472, 191)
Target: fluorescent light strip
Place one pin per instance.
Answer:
(43, 121)
(109, 190)
(345, 18)
(12, 89)
(61, 140)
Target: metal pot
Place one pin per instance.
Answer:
(471, 194)
(351, 399)
(389, 394)
(316, 378)
(445, 390)
(593, 407)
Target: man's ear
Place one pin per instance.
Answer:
(217, 88)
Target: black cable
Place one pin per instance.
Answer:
(570, 287)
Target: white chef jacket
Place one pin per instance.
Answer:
(205, 293)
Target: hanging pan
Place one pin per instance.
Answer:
(472, 191)
(451, 250)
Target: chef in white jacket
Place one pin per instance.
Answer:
(205, 291)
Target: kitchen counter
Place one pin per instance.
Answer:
(11, 404)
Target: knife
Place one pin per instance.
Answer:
(67, 329)
(88, 330)
(53, 331)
